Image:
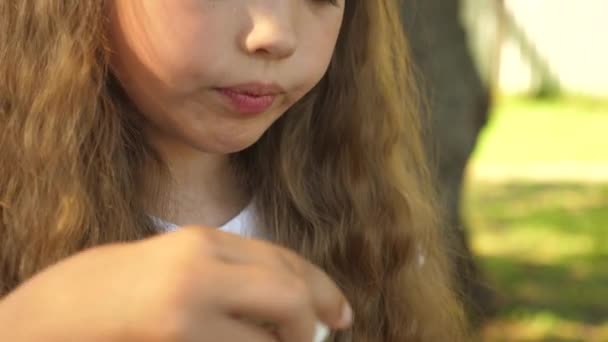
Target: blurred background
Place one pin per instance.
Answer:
(518, 92)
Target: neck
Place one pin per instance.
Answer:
(203, 187)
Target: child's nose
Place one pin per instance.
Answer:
(272, 32)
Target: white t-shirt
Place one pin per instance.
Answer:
(243, 224)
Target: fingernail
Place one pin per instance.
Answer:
(347, 316)
(321, 332)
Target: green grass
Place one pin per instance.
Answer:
(545, 249)
(523, 130)
(543, 245)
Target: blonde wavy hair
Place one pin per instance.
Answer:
(341, 178)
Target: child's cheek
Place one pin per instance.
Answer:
(189, 59)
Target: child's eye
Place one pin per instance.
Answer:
(332, 2)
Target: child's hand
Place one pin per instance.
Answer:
(197, 284)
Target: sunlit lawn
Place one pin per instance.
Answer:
(544, 245)
(525, 131)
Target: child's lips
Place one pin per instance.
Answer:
(251, 98)
(256, 88)
(247, 103)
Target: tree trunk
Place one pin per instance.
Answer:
(458, 104)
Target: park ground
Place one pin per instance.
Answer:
(536, 201)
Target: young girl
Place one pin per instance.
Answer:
(292, 123)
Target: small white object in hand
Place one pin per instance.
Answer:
(321, 332)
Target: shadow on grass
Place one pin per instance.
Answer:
(544, 247)
(571, 291)
(562, 208)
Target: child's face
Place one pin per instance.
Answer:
(215, 74)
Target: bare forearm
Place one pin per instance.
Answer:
(19, 325)
(9, 329)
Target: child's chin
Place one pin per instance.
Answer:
(235, 145)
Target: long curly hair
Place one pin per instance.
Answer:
(341, 178)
